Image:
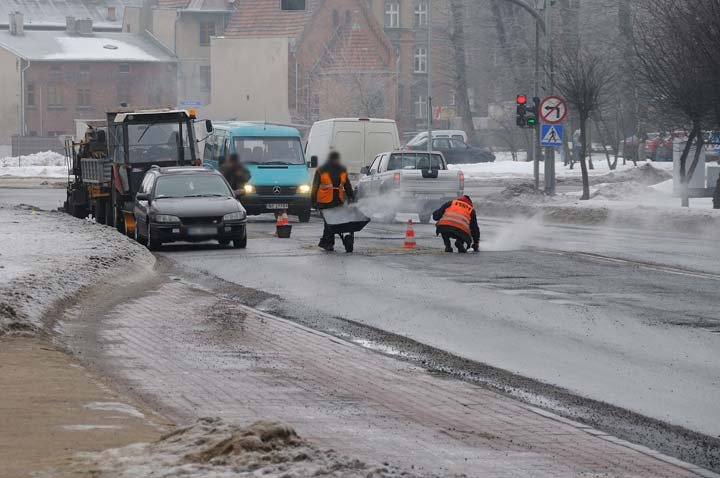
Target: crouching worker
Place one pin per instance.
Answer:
(457, 220)
(331, 188)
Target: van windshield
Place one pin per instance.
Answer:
(414, 161)
(256, 150)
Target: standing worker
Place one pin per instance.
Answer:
(236, 173)
(457, 220)
(331, 187)
(716, 196)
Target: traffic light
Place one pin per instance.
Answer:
(533, 113)
(521, 110)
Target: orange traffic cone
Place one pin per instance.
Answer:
(282, 226)
(410, 236)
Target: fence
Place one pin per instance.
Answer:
(24, 145)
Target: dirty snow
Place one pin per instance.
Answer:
(215, 449)
(48, 256)
(118, 407)
(47, 164)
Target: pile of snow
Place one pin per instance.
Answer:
(47, 164)
(622, 191)
(49, 256)
(214, 449)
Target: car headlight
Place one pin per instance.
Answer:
(249, 189)
(235, 216)
(304, 189)
(165, 218)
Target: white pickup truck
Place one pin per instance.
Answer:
(410, 182)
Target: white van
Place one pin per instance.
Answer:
(358, 140)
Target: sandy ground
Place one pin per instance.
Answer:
(52, 407)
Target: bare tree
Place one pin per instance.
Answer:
(457, 41)
(583, 78)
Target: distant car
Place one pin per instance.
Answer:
(440, 133)
(457, 152)
(410, 182)
(188, 204)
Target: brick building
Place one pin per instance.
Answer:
(50, 77)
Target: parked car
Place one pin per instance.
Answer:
(440, 133)
(456, 152)
(358, 140)
(188, 204)
(411, 182)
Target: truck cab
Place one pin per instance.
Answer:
(274, 156)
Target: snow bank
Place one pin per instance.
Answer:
(47, 164)
(214, 449)
(49, 256)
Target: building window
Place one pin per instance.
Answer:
(392, 14)
(315, 108)
(471, 99)
(124, 68)
(123, 92)
(205, 78)
(31, 94)
(55, 68)
(55, 133)
(421, 13)
(207, 30)
(420, 107)
(83, 97)
(55, 95)
(452, 99)
(420, 59)
(292, 5)
(84, 73)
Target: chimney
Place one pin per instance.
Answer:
(84, 27)
(111, 14)
(70, 25)
(16, 23)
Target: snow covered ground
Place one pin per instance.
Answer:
(47, 164)
(49, 256)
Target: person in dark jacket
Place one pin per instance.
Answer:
(457, 220)
(716, 196)
(331, 188)
(236, 173)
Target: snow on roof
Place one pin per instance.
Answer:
(44, 13)
(99, 47)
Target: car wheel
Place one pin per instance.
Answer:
(240, 243)
(304, 216)
(223, 242)
(137, 235)
(152, 243)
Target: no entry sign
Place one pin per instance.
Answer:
(553, 110)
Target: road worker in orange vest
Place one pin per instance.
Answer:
(331, 188)
(457, 220)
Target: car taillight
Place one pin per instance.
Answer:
(462, 181)
(396, 180)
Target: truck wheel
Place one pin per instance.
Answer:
(425, 218)
(100, 212)
(108, 213)
(304, 216)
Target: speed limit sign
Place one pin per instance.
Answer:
(553, 110)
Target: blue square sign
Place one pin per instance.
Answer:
(551, 135)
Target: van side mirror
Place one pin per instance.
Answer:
(365, 170)
(142, 196)
(313, 161)
(208, 126)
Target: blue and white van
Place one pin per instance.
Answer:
(275, 157)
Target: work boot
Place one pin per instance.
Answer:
(449, 249)
(326, 246)
(460, 247)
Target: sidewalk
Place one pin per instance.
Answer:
(194, 353)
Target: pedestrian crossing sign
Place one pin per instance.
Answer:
(552, 135)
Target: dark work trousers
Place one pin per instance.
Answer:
(460, 244)
(328, 237)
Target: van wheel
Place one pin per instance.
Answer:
(304, 216)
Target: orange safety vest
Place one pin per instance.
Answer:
(327, 188)
(457, 215)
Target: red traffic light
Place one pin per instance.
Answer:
(522, 99)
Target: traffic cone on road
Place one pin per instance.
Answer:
(410, 236)
(282, 226)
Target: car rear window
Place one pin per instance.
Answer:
(414, 161)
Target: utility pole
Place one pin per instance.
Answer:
(429, 78)
(536, 149)
(549, 152)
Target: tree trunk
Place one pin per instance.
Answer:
(684, 178)
(457, 39)
(583, 161)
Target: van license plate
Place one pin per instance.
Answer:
(276, 206)
(202, 231)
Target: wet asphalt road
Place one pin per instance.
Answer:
(624, 317)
